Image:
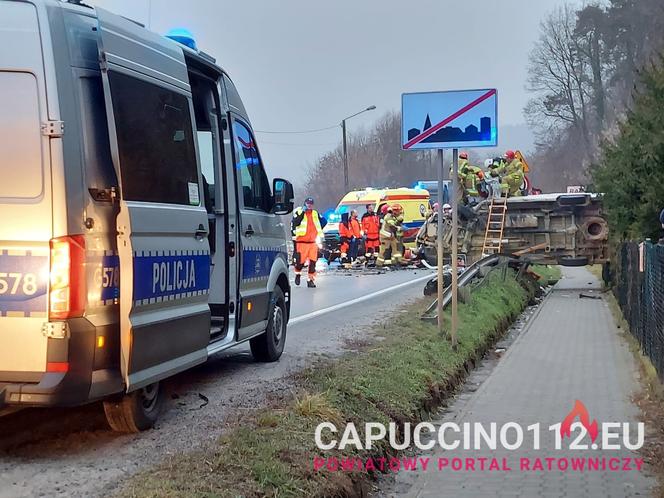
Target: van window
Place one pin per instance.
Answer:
(155, 142)
(20, 138)
(253, 180)
(206, 154)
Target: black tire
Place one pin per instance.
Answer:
(569, 261)
(268, 346)
(136, 411)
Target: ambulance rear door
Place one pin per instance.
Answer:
(162, 225)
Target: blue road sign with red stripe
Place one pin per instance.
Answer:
(449, 120)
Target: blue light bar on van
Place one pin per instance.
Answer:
(182, 36)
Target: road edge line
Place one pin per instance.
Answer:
(314, 314)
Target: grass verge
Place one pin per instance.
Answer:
(402, 375)
(548, 274)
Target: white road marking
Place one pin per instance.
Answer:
(346, 304)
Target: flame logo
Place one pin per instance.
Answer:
(580, 411)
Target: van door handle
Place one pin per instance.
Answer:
(201, 232)
(249, 231)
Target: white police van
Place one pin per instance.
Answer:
(138, 231)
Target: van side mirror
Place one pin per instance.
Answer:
(283, 198)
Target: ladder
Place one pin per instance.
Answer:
(493, 237)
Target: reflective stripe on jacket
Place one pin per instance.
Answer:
(371, 225)
(301, 222)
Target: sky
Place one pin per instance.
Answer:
(308, 64)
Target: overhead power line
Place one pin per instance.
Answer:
(297, 132)
(328, 144)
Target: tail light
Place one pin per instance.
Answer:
(67, 292)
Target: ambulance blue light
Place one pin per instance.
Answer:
(182, 36)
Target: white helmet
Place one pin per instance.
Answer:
(446, 207)
(488, 163)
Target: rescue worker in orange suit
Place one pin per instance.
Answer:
(344, 236)
(356, 235)
(307, 227)
(371, 228)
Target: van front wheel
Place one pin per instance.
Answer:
(269, 346)
(136, 411)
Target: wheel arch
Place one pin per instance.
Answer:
(279, 277)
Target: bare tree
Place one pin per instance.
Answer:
(558, 78)
(375, 159)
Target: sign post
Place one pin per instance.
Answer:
(455, 249)
(449, 120)
(439, 234)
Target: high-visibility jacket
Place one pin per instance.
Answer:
(355, 229)
(345, 231)
(388, 229)
(371, 225)
(306, 225)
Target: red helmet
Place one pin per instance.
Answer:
(463, 155)
(384, 209)
(510, 155)
(397, 208)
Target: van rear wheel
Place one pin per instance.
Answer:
(136, 411)
(269, 346)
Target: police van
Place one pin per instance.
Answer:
(139, 233)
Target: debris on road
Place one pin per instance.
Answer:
(588, 296)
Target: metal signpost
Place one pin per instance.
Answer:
(449, 120)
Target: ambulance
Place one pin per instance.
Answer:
(414, 201)
(139, 233)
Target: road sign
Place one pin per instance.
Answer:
(449, 120)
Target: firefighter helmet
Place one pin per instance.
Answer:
(463, 155)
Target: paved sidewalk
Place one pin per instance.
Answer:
(570, 350)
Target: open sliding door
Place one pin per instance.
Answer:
(162, 224)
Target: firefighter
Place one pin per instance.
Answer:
(398, 256)
(371, 229)
(512, 174)
(469, 177)
(387, 237)
(307, 228)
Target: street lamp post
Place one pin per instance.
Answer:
(345, 143)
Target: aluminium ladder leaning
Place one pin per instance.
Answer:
(493, 237)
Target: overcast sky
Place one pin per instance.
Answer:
(306, 64)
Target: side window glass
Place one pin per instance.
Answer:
(155, 142)
(205, 151)
(254, 186)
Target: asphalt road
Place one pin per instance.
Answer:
(71, 452)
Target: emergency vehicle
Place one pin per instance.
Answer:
(139, 234)
(414, 201)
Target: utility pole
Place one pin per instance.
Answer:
(345, 144)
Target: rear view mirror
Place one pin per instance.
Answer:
(283, 197)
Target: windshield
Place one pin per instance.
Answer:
(360, 207)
